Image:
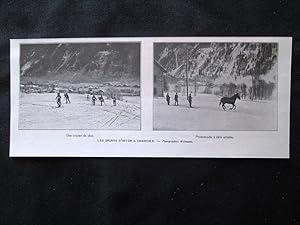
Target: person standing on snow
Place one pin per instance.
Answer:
(176, 99)
(58, 100)
(101, 99)
(67, 98)
(190, 98)
(94, 99)
(168, 99)
(114, 101)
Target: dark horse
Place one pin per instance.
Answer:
(231, 100)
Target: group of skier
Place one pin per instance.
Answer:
(168, 98)
(58, 99)
(101, 99)
(94, 98)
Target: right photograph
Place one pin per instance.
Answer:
(215, 86)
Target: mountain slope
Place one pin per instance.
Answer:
(81, 62)
(217, 60)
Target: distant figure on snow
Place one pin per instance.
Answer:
(168, 98)
(101, 99)
(94, 99)
(190, 99)
(176, 99)
(67, 98)
(88, 97)
(114, 101)
(58, 100)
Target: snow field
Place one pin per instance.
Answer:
(206, 114)
(39, 111)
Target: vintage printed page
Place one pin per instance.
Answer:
(225, 97)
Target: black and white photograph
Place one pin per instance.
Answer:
(80, 86)
(215, 86)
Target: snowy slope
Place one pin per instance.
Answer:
(206, 114)
(39, 111)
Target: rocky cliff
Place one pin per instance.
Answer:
(88, 62)
(217, 60)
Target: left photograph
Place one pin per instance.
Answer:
(80, 86)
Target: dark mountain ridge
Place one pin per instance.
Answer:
(215, 60)
(88, 62)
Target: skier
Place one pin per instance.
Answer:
(190, 99)
(94, 99)
(58, 100)
(114, 101)
(67, 98)
(176, 99)
(88, 97)
(168, 99)
(101, 99)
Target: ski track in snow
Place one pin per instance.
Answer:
(206, 114)
(40, 111)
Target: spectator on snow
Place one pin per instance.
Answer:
(67, 98)
(168, 99)
(58, 100)
(101, 99)
(94, 99)
(114, 101)
(190, 99)
(176, 99)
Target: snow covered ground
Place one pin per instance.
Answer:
(39, 111)
(206, 114)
